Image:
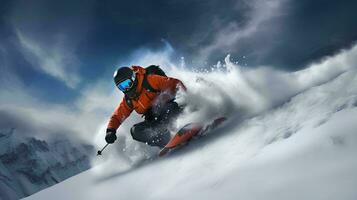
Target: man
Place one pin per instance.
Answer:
(151, 93)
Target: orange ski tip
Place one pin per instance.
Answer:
(187, 132)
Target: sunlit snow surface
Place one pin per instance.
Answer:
(290, 136)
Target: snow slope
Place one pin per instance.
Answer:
(298, 143)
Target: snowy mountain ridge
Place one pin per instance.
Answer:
(28, 164)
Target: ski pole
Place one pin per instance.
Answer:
(100, 151)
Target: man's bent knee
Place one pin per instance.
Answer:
(134, 132)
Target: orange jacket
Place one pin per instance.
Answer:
(144, 99)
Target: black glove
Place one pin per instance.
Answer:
(110, 136)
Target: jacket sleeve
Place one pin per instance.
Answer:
(163, 83)
(120, 114)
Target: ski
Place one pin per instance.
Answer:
(187, 132)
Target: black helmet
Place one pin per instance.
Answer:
(122, 74)
(126, 81)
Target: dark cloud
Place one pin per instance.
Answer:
(312, 29)
(10, 121)
(298, 33)
(97, 35)
(121, 27)
(302, 31)
(24, 126)
(39, 44)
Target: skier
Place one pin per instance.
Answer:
(151, 93)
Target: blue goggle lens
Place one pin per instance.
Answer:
(125, 85)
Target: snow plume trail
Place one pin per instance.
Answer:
(226, 89)
(232, 90)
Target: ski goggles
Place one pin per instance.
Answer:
(125, 85)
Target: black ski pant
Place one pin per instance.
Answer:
(154, 130)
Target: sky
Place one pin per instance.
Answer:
(57, 57)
